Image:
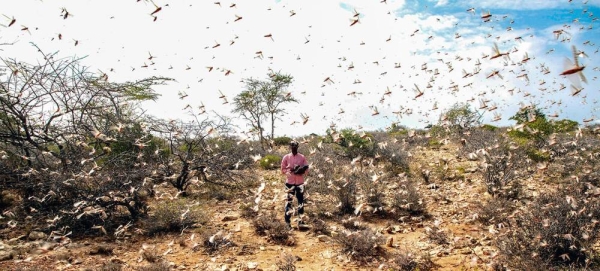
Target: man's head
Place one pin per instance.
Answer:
(294, 147)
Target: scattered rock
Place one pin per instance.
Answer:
(15, 240)
(4, 247)
(252, 265)
(464, 251)
(290, 241)
(303, 227)
(323, 238)
(117, 261)
(37, 235)
(229, 218)
(102, 249)
(6, 255)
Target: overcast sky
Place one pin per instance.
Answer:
(395, 45)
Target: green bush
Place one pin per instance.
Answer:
(562, 126)
(434, 144)
(535, 125)
(270, 162)
(174, 216)
(354, 144)
(282, 141)
(488, 127)
(537, 155)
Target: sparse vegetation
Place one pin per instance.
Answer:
(361, 246)
(270, 162)
(408, 260)
(215, 242)
(561, 230)
(407, 200)
(274, 228)
(160, 266)
(174, 216)
(286, 262)
(119, 176)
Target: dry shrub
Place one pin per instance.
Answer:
(319, 226)
(110, 266)
(478, 139)
(174, 216)
(408, 201)
(162, 266)
(102, 249)
(218, 191)
(556, 230)
(345, 192)
(272, 227)
(151, 255)
(362, 246)
(408, 260)
(247, 209)
(500, 177)
(436, 235)
(374, 192)
(494, 211)
(213, 243)
(286, 262)
(352, 223)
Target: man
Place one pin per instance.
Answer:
(294, 166)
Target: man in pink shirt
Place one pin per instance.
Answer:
(294, 166)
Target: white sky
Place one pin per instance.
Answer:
(120, 36)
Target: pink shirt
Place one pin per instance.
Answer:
(288, 163)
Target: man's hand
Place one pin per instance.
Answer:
(299, 170)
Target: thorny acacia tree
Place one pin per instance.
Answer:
(59, 125)
(195, 153)
(275, 95)
(45, 106)
(262, 100)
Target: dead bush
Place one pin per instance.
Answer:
(353, 224)
(436, 235)
(319, 226)
(272, 227)
(374, 193)
(174, 216)
(110, 266)
(345, 192)
(500, 177)
(286, 262)
(556, 230)
(408, 260)
(151, 255)
(102, 249)
(407, 200)
(247, 209)
(161, 266)
(494, 211)
(362, 246)
(213, 243)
